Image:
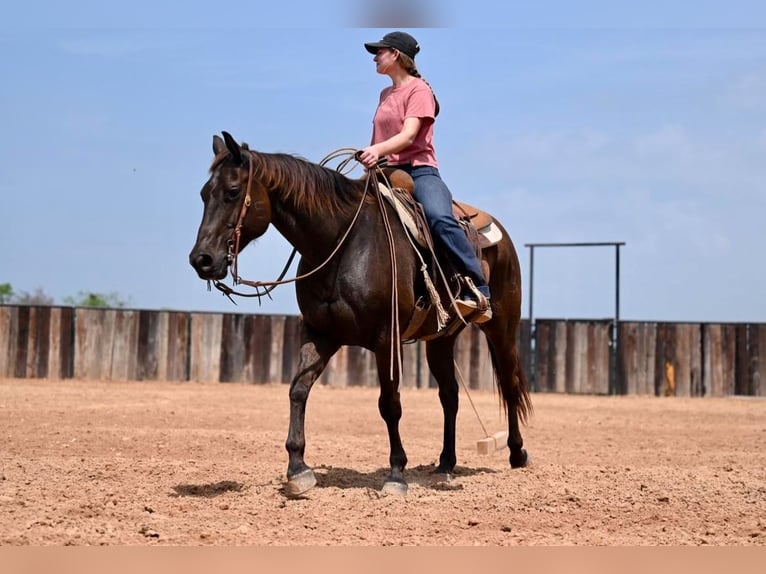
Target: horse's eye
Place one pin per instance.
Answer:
(231, 194)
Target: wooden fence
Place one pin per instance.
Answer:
(694, 359)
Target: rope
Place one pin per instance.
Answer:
(396, 343)
(470, 400)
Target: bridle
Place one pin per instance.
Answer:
(232, 244)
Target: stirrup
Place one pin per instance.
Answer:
(469, 311)
(482, 303)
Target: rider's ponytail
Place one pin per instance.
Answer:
(409, 65)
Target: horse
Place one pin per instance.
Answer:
(347, 299)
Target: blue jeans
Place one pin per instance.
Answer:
(435, 197)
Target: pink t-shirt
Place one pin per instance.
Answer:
(413, 99)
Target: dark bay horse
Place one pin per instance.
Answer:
(349, 301)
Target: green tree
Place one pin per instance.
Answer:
(88, 299)
(6, 293)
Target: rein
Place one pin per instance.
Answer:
(264, 288)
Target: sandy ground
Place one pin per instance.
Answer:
(90, 463)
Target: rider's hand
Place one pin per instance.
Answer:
(368, 157)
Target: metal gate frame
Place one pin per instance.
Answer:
(613, 383)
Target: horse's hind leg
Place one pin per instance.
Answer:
(501, 338)
(390, 407)
(314, 354)
(440, 356)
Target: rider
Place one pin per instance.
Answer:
(403, 129)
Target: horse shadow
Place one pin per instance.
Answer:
(347, 478)
(207, 490)
(422, 475)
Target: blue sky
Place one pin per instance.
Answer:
(569, 121)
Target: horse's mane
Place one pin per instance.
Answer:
(312, 188)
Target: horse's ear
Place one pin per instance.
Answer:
(218, 145)
(233, 147)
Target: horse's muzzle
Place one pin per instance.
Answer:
(207, 266)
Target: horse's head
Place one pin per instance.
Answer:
(237, 209)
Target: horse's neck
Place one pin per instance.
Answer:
(309, 209)
(310, 233)
(309, 204)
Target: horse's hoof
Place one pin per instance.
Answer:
(442, 476)
(520, 459)
(395, 488)
(300, 483)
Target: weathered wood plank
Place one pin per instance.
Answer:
(276, 348)
(21, 343)
(177, 362)
(54, 344)
(60, 343)
(719, 342)
(600, 357)
(148, 346)
(462, 356)
(205, 359)
(696, 387)
(292, 347)
(259, 347)
(67, 346)
(558, 358)
(90, 341)
(358, 365)
(678, 364)
(38, 342)
(525, 348)
(336, 373)
(123, 363)
(758, 360)
(484, 370)
(423, 378)
(636, 361)
(474, 358)
(594, 370)
(665, 378)
(233, 350)
(163, 342)
(628, 356)
(683, 360)
(567, 348)
(741, 360)
(544, 354)
(7, 336)
(583, 333)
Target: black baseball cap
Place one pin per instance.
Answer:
(401, 41)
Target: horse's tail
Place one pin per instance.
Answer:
(524, 403)
(514, 392)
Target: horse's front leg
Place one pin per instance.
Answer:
(314, 355)
(390, 407)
